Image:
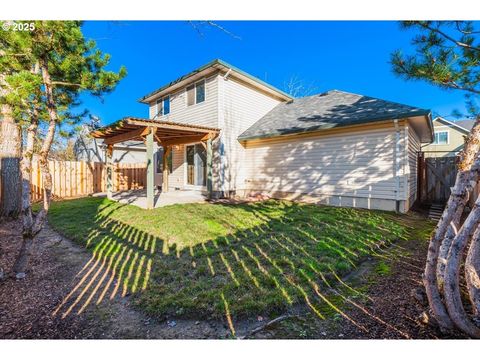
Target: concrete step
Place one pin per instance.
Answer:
(436, 211)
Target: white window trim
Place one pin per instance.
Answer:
(204, 80)
(160, 100)
(448, 137)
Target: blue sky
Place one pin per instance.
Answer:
(350, 56)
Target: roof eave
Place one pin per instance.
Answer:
(425, 113)
(452, 124)
(218, 65)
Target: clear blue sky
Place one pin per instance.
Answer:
(349, 56)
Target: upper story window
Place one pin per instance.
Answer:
(163, 106)
(441, 138)
(196, 93)
(200, 92)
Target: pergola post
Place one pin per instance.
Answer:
(209, 167)
(166, 153)
(109, 172)
(150, 169)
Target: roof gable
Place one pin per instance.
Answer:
(208, 69)
(326, 111)
(467, 124)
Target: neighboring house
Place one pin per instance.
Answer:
(449, 137)
(334, 148)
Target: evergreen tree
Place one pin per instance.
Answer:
(47, 70)
(447, 54)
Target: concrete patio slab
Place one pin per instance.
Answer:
(139, 197)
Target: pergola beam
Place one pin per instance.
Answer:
(127, 136)
(170, 126)
(185, 140)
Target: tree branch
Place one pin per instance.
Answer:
(63, 83)
(448, 37)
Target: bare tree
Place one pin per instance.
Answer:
(297, 87)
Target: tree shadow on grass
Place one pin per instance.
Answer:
(296, 255)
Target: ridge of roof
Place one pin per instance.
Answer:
(209, 65)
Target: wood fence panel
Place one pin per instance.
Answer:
(80, 178)
(437, 177)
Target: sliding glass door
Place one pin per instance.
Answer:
(196, 165)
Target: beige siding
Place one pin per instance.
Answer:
(205, 113)
(413, 149)
(176, 178)
(356, 165)
(242, 106)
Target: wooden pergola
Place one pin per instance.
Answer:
(166, 134)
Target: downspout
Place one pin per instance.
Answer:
(396, 165)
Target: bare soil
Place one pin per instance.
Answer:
(392, 305)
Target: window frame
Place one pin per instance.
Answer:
(161, 101)
(194, 84)
(436, 136)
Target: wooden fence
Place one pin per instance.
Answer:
(436, 176)
(80, 178)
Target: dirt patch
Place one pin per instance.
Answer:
(36, 306)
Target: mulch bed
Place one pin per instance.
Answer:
(26, 305)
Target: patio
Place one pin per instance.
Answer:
(167, 135)
(139, 197)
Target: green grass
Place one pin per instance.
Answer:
(383, 268)
(209, 260)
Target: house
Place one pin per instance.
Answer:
(228, 133)
(449, 137)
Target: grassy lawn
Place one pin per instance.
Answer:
(216, 260)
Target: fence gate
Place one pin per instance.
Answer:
(436, 175)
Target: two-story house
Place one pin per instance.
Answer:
(449, 137)
(225, 132)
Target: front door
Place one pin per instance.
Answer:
(196, 165)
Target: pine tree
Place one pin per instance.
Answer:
(448, 55)
(48, 68)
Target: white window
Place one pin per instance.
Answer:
(441, 138)
(163, 106)
(196, 93)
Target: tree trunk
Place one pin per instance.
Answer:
(32, 228)
(446, 244)
(472, 272)
(453, 298)
(10, 155)
(27, 216)
(455, 205)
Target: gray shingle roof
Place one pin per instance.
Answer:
(466, 124)
(325, 111)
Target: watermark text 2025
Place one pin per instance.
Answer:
(18, 26)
